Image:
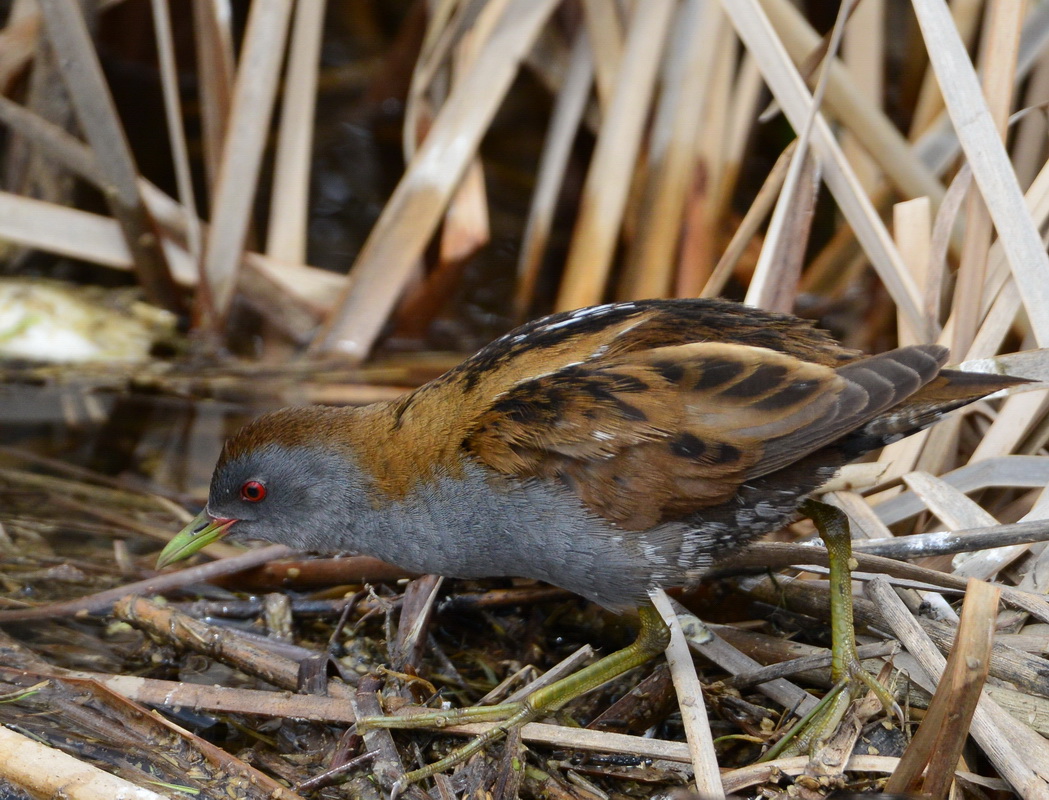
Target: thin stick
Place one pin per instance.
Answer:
(102, 601)
(690, 701)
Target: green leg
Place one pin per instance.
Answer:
(845, 670)
(651, 640)
(833, 527)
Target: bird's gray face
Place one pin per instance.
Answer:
(301, 497)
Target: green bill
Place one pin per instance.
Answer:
(201, 532)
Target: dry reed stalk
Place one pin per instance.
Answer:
(225, 699)
(288, 220)
(745, 94)
(725, 126)
(53, 141)
(990, 164)
(937, 147)
(563, 736)
(605, 31)
(938, 742)
(1001, 297)
(755, 30)
(1015, 418)
(247, 656)
(608, 178)
(557, 148)
(176, 132)
(699, 242)
(863, 53)
(942, 231)
(97, 115)
(449, 21)
(965, 318)
(929, 106)
(998, 51)
(748, 228)
(649, 261)
(47, 772)
(950, 506)
(466, 226)
(1012, 471)
(707, 643)
(72, 154)
(1017, 753)
(254, 94)
(774, 284)
(727, 101)
(413, 212)
(94, 238)
(26, 169)
(871, 127)
(216, 68)
(864, 519)
(956, 510)
(755, 774)
(775, 280)
(18, 44)
(911, 228)
(690, 699)
(77, 234)
(1028, 152)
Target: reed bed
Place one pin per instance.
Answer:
(879, 165)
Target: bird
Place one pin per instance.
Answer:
(608, 450)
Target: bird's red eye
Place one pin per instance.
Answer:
(253, 491)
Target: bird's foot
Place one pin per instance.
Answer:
(880, 690)
(651, 640)
(826, 718)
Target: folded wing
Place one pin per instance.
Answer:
(688, 424)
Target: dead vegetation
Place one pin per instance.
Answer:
(885, 190)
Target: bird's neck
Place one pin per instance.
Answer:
(402, 445)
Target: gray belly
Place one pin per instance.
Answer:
(532, 529)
